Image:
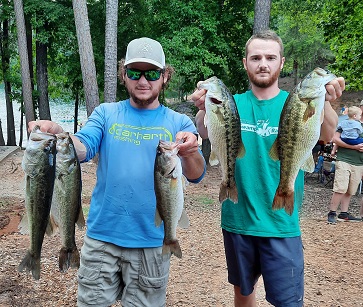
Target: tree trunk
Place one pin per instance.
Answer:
(2, 141)
(5, 64)
(111, 51)
(295, 71)
(262, 15)
(86, 55)
(76, 104)
(29, 40)
(24, 63)
(42, 80)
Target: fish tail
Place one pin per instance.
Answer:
(30, 263)
(172, 247)
(68, 258)
(284, 199)
(226, 192)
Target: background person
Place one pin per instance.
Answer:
(351, 128)
(122, 256)
(348, 175)
(258, 240)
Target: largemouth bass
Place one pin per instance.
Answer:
(299, 131)
(39, 166)
(169, 191)
(224, 132)
(66, 210)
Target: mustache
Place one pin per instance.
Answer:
(263, 70)
(143, 87)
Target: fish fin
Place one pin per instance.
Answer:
(226, 192)
(284, 200)
(274, 154)
(185, 182)
(30, 263)
(213, 159)
(158, 218)
(241, 151)
(24, 224)
(309, 112)
(309, 165)
(172, 247)
(68, 258)
(52, 226)
(184, 220)
(81, 220)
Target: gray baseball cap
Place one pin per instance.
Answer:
(145, 50)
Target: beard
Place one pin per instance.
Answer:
(266, 82)
(142, 102)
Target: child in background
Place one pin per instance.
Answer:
(351, 128)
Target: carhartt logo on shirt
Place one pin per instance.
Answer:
(135, 134)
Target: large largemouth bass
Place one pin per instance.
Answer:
(169, 191)
(39, 167)
(66, 210)
(299, 131)
(224, 132)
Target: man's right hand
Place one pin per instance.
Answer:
(45, 126)
(198, 98)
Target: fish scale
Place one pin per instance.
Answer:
(39, 166)
(299, 131)
(169, 192)
(224, 132)
(66, 209)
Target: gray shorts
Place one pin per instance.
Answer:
(136, 276)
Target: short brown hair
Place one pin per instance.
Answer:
(266, 35)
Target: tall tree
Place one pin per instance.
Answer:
(24, 62)
(111, 51)
(262, 15)
(42, 79)
(5, 64)
(86, 55)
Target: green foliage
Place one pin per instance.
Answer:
(343, 26)
(200, 38)
(298, 24)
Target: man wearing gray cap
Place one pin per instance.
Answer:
(121, 257)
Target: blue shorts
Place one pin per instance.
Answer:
(280, 261)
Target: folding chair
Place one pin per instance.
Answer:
(329, 173)
(318, 169)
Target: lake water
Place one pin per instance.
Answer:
(61, 113)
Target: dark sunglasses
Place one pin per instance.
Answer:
(150, 75)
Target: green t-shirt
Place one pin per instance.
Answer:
(257, 175)
(348, 155)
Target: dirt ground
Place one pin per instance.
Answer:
(333, 253)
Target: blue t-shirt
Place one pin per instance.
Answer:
(257, 175)
(123, 203)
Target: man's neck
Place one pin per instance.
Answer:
(266, 93)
